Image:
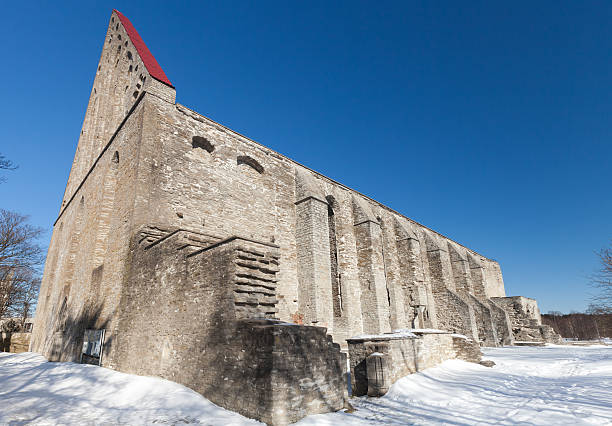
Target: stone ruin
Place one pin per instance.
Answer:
(203, 257)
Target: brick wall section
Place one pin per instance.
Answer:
(121, 77)
(494, 281)
(397, 289)
(487, 333)
(477, 275)
(456, 315)
(460, 270)
(308, 375)
(453, 313)
(466, 349)
(412, 276)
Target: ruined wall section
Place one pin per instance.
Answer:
(377, 361)
(85, 265)
(121, 77)
(525, 320)
(466, 289)
(221, 299)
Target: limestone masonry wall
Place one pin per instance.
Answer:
(377, 361)
(525, 320)
(218, 336)
(175, 234)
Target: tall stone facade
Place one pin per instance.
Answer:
(185, 241)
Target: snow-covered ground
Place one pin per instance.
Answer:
(550, 385)
(36, 392)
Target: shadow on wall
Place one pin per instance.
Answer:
(258, 369)
(67, 341)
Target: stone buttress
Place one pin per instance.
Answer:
(193, 246)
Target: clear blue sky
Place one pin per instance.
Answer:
(490, 123)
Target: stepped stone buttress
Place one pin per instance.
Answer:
(212, 260)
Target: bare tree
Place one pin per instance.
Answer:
(602, 282)
(20, 257)
(18, 292)
(26, 300)
(6, 164)
(18, 241)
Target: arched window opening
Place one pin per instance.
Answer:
(202, 142)
(333, 257)
(250, 161)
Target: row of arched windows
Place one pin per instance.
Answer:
(201, 142)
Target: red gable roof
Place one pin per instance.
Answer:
(155, 70)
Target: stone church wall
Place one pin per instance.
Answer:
(211, 190)
(182, 170)
(84, 271)
(161, 204)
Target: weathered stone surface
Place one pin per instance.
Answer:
(395, 355)
(175, 232)
(525, 320)
(228, 346)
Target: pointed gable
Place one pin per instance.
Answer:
(153, 67)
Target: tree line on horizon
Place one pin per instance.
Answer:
(580, 326)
